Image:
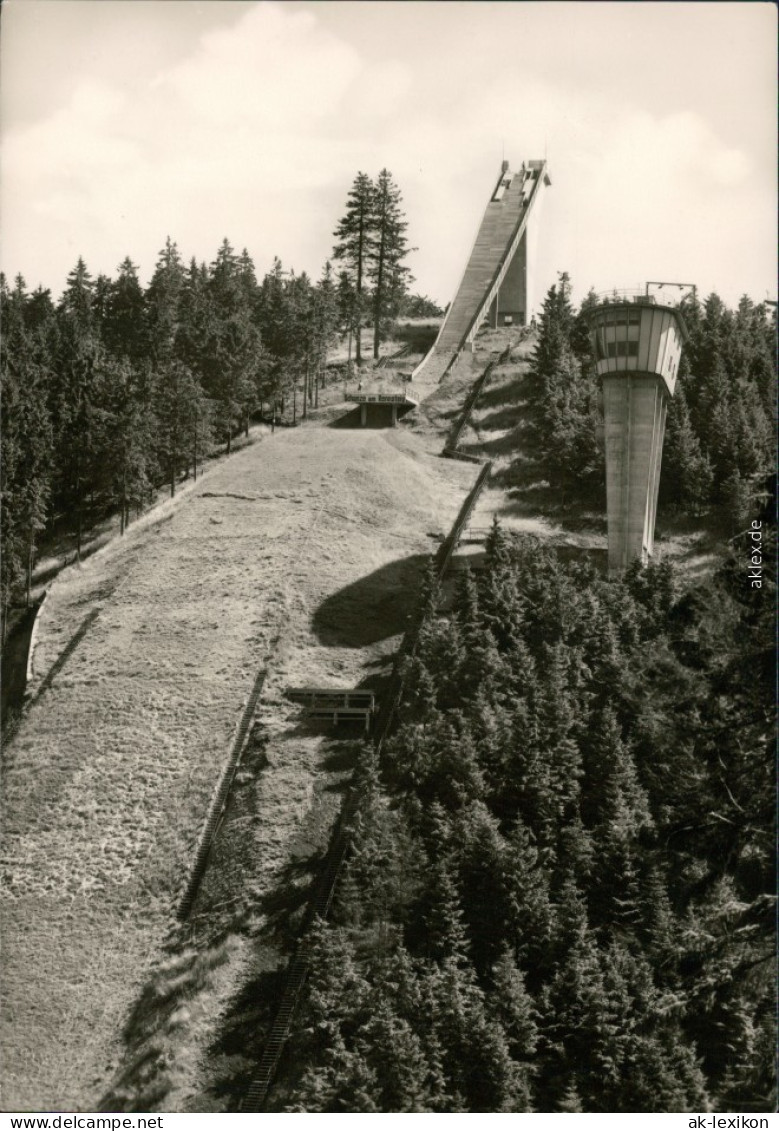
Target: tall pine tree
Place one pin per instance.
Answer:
(355, 236)
(386, 270)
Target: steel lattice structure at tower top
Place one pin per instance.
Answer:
(497, 281)
(637, 346)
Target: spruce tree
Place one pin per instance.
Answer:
(124, 330)
(129, 435)
(348, 317)
(195, 333)
(355, 240)
(566, 402)
(513, 1006)
(233, 349)
(179, 412)
(277, 330)
(163, 303)
(325, 313)
(26, 445)
(386, 270)
(77, 419)
(302, 356)
(687, 475)
(397, 1056)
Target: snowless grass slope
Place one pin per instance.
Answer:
(306, 548)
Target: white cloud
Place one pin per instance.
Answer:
(257, 132)
(234, 136)
(274, 69)
(77, 141)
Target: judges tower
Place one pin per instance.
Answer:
(637, 344)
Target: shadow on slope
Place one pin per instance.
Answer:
(164, 1024)
(495, 447)
(372, 609)
(14, 664)
(503, 430)
(503, 392)
(280, 914)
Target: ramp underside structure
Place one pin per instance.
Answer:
(496, 282)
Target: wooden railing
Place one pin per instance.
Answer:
(219, 800)
(453, 439)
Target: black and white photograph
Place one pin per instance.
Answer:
(387, 561)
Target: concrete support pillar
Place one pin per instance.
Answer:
(658, 434)
(363, 414)
(634, 411)
(394, 415)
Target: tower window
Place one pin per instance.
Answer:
(622, 349)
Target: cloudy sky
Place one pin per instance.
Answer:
(124, 121)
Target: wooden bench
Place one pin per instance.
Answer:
(476, 534)
(333, 698)
(338, 715)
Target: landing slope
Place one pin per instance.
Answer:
(111, 771)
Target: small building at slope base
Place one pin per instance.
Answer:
(384, 406)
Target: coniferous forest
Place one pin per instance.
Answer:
(560, 893)
(115, 390)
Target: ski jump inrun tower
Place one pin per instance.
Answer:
(496, 284)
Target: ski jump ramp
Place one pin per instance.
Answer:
(496, 284)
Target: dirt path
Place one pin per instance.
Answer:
(317, 534)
